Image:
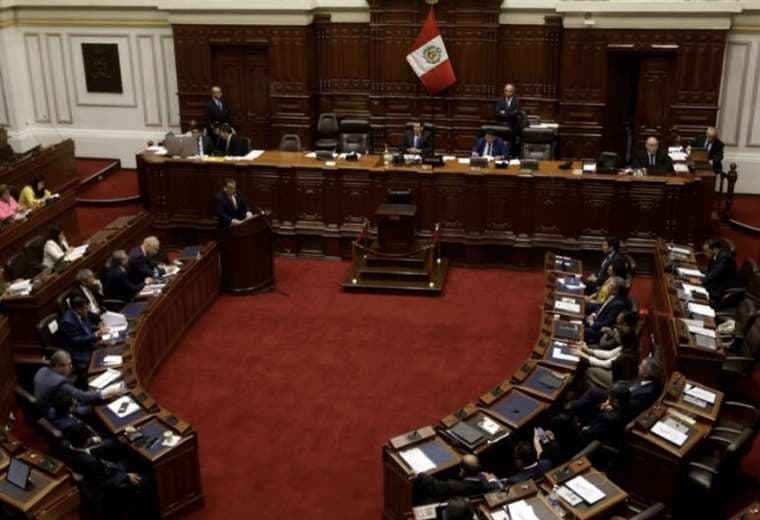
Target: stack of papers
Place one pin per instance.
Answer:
(693, 273)
(557, 353)
(171, 270)
(702, 310)
(105, 379)
(669, 433)
(521, 510)
(489, 426)
(568, 305)
(680, 168)
(589, 167)
(417, 460)
(253, 155)
(514, 162)
(158, 150)
(111, 361)
(463, 161)
(689, 289)
(114, 321)
(700, 393)
(150, 290)
(130, 406)
(76, 253)
(20, 288)
(695, 329)
(585, 489)
(678, 156)
(447, 158)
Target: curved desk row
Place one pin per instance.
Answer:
(485, 213)
(511, 409)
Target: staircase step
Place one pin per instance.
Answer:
(432, 285)
(385, 272)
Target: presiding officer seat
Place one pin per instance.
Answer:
(327, 132)
(290, 143)
(608, 161)
(354, 136)
(538, 143)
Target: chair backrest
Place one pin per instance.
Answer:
(64, 300)
(47, 328)
(34, 249)
(533, 120)
(746, 313)
(608, 161)
(18, 266)
(504, 132)
(290, 143)
(748, 269)
(354, 135)
(751, 343)
(651, 513)
(327, 125)
(753, 286)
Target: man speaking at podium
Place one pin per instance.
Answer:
(231, 207)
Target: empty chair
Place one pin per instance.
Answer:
(747, 353)
(608, 161)
(538, 143)
(532, 120)
(34, 249)
(354, 136)
(327, 132)
(290, 143)
(18, 266)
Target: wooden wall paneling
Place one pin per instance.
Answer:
(500, 205)
(7, 371)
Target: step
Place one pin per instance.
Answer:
(433, 287)
(385, 273)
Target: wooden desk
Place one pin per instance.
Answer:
(56, 163)
(512, 406)
(537, 380)
(613, 497)
(496, 448)
(546, 351)
(24, 312)
(486, 214)
(563, 328)
(398, 477)
(38, 222)
(553, 303)
(7, 371)
(538, 504)
(675, 396)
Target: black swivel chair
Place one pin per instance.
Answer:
(18, 266)
(328, 131)
(34, 249)
(538, 143)
(354, 136)
(290, 143)
(608, 161)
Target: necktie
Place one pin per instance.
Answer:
(234, 201)
(487, 151)
(509, 101)
(417, 142)
(708, 145)
(218, 103)
(651, 159)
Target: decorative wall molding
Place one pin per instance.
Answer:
(128, 98)
(59, 78)
(37, 79)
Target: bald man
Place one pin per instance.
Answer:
(141, 267)
(216, 109)
(653, 159)
(472, 481)
(710, 142)
(508, 112)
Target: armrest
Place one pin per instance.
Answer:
(48, 427)
(739, 404)
(24, 395)
(650, 513)
(742, 359)
(590, 448)
(702, 467)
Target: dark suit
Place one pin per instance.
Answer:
(215, 114)
(78, 292)
(606, 316)
(508, 112)
(608, 426)
(714, 150)
(118, 286)
(431, 489)
(424, 144)
(499, 147)
(77, 337)
(226, 210)
(234, 146)
(662, 162)
(643, 395)
(532, 473)
(601, 275)
(140, 266)
(720, 275)
(50, 386)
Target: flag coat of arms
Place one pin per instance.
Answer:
(429, 59)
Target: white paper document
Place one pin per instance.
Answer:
(680, 168)
(499, 515)
(702, 331)
(311, 155)
(679, 249)
(672, 149)
(488, 425)
(22, 287)
(558, 354)
(76, 253)
(114, 321)
(700, 393)
(678, 156)
(130, 407)
(704, 310)
(562, 305)
(463, 161)
(514, 162)
(669, 433)
(417, 460)
(585, 489)
(689, 288)
(426, 512)
(112, 361)
(589, 167)
(694, 273)
(569, 497)
(253, 155)
(521, 510)
(105, 379)
(447, 158)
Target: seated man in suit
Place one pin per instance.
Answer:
(231, 206)
(721, 274)
(653, 159)
(472, 481)
(711, 142)
(508, 113)
(88, 288)
(606, 314)
(141, 268)
(216, 109)
(123, 493)
(490, 146)
(417, 140)
(231, 144)
(52, 385)
(528, 463)
(116, 282)
(615, 412)
(78, 336)
(611, 252)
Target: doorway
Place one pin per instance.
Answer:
(242, 71)
(622, 95)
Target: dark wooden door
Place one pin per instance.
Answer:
(242, 71)
(654, 94)
(620, 109)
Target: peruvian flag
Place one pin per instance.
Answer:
(429, 59)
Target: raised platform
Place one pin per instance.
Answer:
(373, 272)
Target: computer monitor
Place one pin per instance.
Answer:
(18, 473)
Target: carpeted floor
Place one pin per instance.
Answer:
(746, 209)
(86, 168)
(120, 184)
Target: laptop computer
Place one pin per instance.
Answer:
(18, 473)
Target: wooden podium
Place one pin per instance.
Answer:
(247, 260)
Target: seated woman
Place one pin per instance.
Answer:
(34, 195)
(9, 208)
(56, 248)
(618, 267)
(608, 366)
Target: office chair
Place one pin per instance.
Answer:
(290, 143)
(327, 132)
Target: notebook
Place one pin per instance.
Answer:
(470, 436)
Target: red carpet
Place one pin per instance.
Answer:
(86, 168)
(119, 185)
(293, 396)
(94, 218)
(746, 209)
